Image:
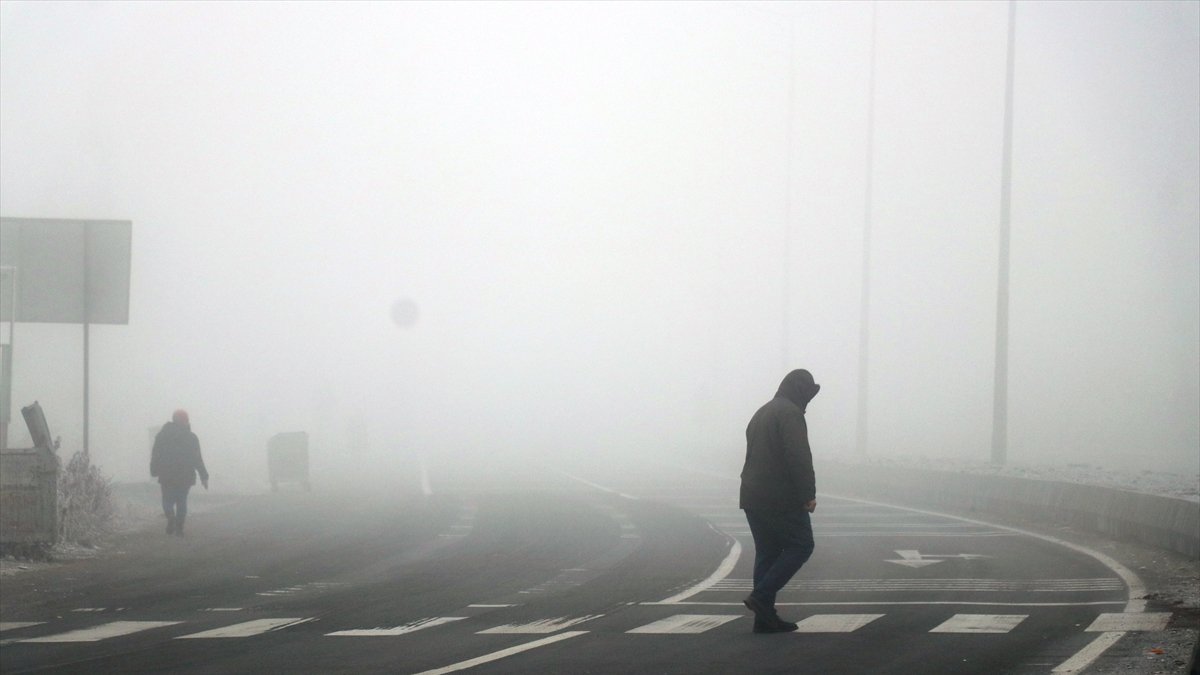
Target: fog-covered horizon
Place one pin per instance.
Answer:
(620, 225)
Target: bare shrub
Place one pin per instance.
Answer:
(85, 502)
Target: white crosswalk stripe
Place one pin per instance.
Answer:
(102, 632)
(980, 623)
(674, 624)
(1117, 621)
(399, 630)
(542, 626)
(835, 623)
(686, 623)
(244, 629)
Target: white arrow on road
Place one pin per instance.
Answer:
(916, 559)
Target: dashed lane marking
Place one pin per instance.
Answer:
(980, 623)
(399, 630)
(542, 626)
(103, 631)
(686, 623)
(245, 629)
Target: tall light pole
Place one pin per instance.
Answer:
(865, 304)
(1000, 397)
(787, 224)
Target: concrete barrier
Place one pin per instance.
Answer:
(1164, 522)
(28, 497)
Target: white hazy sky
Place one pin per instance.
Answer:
(596, 207)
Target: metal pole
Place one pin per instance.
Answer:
(1000, 397)
(87, 316)
(8, 356)
(865, 304)
(787, 225)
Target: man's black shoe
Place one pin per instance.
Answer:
(776, 626)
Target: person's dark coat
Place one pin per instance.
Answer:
(175, 459)
(778, 473)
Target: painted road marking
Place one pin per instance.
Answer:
(495, 656)
(1116, 621)
(399, 630)
(14, 625)
(686, 623)
(245, 629)
(221, 609)
(893, 535)
(1135, 589)
(882, 535)
(935, 584)
(1084, 657)
(914, 558)
(599, 487)
(103, 631)
(980, 623)
(541, 626)
(835, 623)
(861, 603)
(722, 571)
(313, 585)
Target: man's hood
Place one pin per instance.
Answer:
(798, 387)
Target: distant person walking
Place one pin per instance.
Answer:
(175, 461)
(778, 495)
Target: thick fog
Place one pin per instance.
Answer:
(529, 231)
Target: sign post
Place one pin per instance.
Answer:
(71, 271)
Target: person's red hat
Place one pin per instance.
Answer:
(180, 416)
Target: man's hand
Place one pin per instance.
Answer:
(811, 507)
(204, 482)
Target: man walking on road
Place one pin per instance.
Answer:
(175, 461)
(778, 495)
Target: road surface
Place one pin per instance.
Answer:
(562, 570)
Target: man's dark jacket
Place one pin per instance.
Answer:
(176, 458)
(778, 473)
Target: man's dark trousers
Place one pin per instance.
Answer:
(174, 501)
(783, 542)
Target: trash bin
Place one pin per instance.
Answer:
(287, 459)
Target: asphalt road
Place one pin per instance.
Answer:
(571, 571)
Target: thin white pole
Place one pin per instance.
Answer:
(864, 318)
(1000, 397)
